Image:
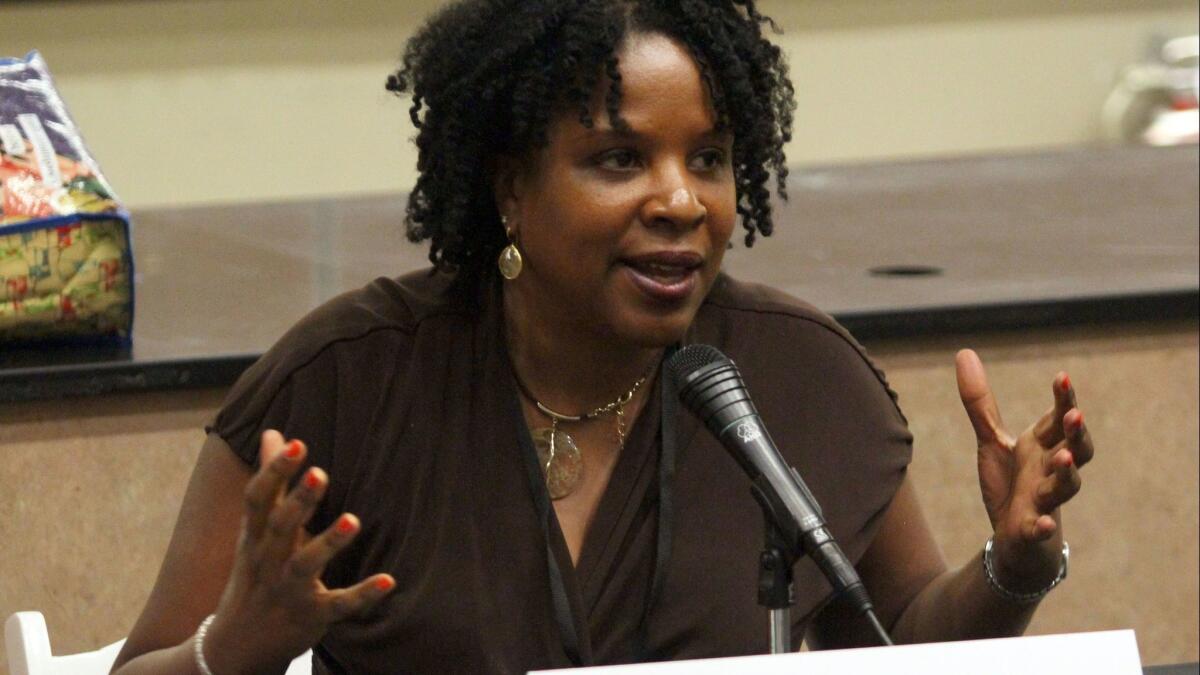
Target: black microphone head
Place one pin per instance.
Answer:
(691, 359)
(709, 385)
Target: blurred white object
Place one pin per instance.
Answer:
(1112, 652)
(28, 645)
(1156, 103)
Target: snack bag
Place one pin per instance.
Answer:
(66, 265)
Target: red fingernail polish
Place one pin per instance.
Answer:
(385, 583)
(293, 450)
(311, 480)
(1070, 459)
(345, 525)
(1066, 383)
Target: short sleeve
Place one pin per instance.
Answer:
(838, 422)
(828, 405)
(325, 379)
(296, 397)
(320, 374)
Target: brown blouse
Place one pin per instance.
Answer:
(407, 399)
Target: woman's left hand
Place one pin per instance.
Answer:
(1025, 479)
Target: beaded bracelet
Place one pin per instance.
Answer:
(198, 645)
(1021, 598)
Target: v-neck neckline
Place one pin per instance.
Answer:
(624, 493)
(575, 588)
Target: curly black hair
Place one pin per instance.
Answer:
(486, 77)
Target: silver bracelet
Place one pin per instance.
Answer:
(198, 645)
(989, 571)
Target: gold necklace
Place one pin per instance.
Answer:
(559, 455)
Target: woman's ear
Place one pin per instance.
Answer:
(507, 183)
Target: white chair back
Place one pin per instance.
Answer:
(28, 646)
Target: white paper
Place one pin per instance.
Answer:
(1103, 653)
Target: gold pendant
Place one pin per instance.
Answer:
(561, 460)
(510, 262)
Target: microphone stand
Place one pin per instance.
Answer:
(775, 589)
(781, 549)
(783, 546)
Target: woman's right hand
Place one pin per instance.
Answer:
(274, 606)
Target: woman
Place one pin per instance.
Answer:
(524, 492)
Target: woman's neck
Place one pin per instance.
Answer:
(566, 367)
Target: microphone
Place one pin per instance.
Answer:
(710, 385)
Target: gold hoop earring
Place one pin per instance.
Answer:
(510, 261)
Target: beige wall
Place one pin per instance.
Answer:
(89, 488)
(1133, 527)
(236, 100)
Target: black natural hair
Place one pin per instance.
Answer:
(486, 77)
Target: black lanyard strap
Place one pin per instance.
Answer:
(541, 500)
(666, 481)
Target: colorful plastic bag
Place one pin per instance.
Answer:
(66, 264)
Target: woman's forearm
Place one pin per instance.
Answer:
(177, 660)
(181, 660)
(960, 605)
